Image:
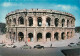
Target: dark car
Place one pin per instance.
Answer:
(72, 44)
(26, 47)
(39, 47)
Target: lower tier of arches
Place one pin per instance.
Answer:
(39, 34)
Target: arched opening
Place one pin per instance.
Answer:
(14, 34)
(10, 20)
(71, 34)
(20, 36)
(63, 35)
(67, 23)
(14, 20)
(48, 36)
(10, 34)
(30, 37)
(14, 37)
(63, 22)
(71, 24)
(48, 21)
(67, 35)
(56, 36)
(21, 20)
(39, 37)
(56, 22)
(7, 22)
(30, 21)
(39, 21)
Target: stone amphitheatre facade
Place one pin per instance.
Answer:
(39, 25)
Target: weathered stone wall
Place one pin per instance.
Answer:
(51, 25)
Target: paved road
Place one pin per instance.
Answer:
(34, 52)
(30, 52)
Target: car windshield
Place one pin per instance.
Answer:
(71, 43)
(37, 45)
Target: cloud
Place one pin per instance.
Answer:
(73, 9)
(67, 7)
(9, 4)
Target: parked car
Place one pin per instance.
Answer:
(10, 45)
(1, 44)
(39, 47)
(26, 47)
(78, 43)
(72, 44)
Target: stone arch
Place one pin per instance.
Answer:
(67, 35)
(56, 22)
(39, 20)
(13, 36)
(10, 34)
(14, 21)
(67, 23)
(63, 22)
(7, 21)
(62, 35)
(71, 23)
(30, 21)
(21, 20)
(20, 36)
(56, 36)
(48, 21)
(39, 37)
(48, 36)
(10, 20)
(71, 34)
(30, 37)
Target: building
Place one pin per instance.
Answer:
(77, 29)
(2, 28)
(39, 25)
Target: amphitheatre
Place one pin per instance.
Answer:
(39, 26)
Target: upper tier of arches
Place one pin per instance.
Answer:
(41, 21)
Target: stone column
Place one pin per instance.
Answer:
(44, 21)
(53, 22)
(70, 22)
(59, 36)
(52, 36)
(16, 35)
(24, 20)
(65, 35)
(25, 35)
(34, 38)
(34, 21)
(27, 21)
(73, 32)
(17, 21)
(65, 23)
(44, 36)
(59, 23)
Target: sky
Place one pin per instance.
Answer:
(70, 6)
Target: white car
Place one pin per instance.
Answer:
(1, 44)
(10, 45)
(72, 44)
(78, 43)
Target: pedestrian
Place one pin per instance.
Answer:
(51, 45)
